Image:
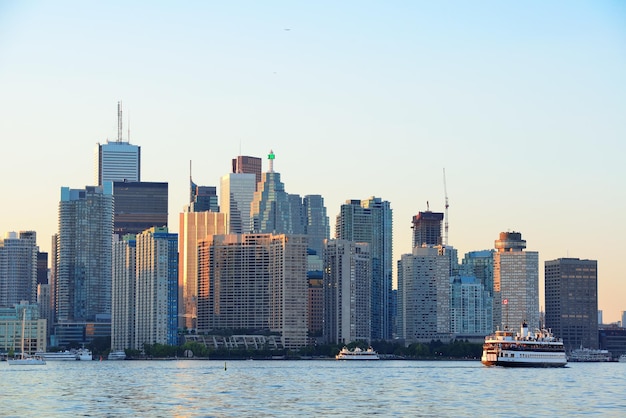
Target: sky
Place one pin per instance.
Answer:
(522, 104)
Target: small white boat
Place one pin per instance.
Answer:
(84, 354)
(357, 354)
(622, 358)
(117, 355)
(26, 359)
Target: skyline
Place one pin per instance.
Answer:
(521, 105)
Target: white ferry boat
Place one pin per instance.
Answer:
(589, 355)
(117, 355)
(357, 354)
(57, 355)
(84, 354)
(524, 349)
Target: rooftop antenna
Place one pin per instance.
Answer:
(427, 206)
(271, 157)
(445, 228)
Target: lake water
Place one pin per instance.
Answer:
(309, 388)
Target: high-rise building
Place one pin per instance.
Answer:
(256, 282)
(272, 210)
(236, 194)
(515, 283)
(479, 264)
(202, 198)
(316, 224)
(248, 165)
(18, 268)
(84, 253)
(315, 277)
(424, 294)
(571, 297)
(471, 307)
(156, 302)
(427, 228)
(139, 206)
(117, 160)
(123, 293)
(193, 227)
(347, 292)
(370, 221)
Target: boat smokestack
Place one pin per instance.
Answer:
(524, 329)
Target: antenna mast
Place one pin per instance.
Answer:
(445, 191)
(119, 121)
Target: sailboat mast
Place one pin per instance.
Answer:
(23, 329)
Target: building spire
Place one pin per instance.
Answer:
(271, 157)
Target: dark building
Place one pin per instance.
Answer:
(42, 268)
(427, 228)
(613, 339)
(571, 297)
(203, 198)
(245, 164)
(138, 206)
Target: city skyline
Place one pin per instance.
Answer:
(521, 105)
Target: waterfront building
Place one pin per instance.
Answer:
(156, 301)
(244, 164)
(123, 292)
(316, 223)
(515, 283)
(371, 221)
(81, 332)
(138, 206)
(347, 292)
(471, 307)
(571, 298)
(18, 268)
(84, 253)
(427, 228)
(255, 282)
(20, 316)
(424, 295)
(193, 227)
(46, 310)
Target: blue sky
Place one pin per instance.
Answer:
(522, 103)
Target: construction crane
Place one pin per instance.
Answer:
(445, 227)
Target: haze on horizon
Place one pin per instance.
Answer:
(522, 104)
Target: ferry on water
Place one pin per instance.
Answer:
(589, 355)
(524, 349)
(357, 354)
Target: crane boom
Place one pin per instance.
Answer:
(445, 191)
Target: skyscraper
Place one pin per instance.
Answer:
(427, 228)
(118, 160)
(123, 293)
(139, 206)
(347, 292)
(18, 268)
(84, 253)
(193, 227)
(317, 227)
(236, 194)
(248, 165)
(202, 198)
(424, 294)
(371, 221)
(515, 283)
(156, 302)
(254, 281)
(571, 297)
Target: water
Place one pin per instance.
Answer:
(309, 388)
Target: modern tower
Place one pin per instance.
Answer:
(193, 227)
(254, 281)
(571, 297)
(202, 198)
(424, 294)
(236, 194)
(117, 160)
(515, 283)
(18, 268)
(123, 293)
(139, 206)
(347, 292)
(156, 302)
(84, 253)
(370, 221)
(317, 227)
(249, 165)
(427, 228)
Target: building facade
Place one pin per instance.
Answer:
(123, 293)
(18, 268)
(236, 195)
(371, 221)
(117, 161)
(571, 297)
(316, 223)
(22, 316)
(248, 165)
(347, 292)
(139, 206)
(84, 254)
(156, 301)
(427, 228)
(515, 283)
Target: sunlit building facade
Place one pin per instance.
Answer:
(117, 161)
(123, 293)
(18, 268)
(139, 206)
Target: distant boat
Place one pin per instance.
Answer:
(84, 354)
(57, 355)
(589, 355)
(117, 355)
(538, 349)
(357, 354)
(622, 358)
(26, 359)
